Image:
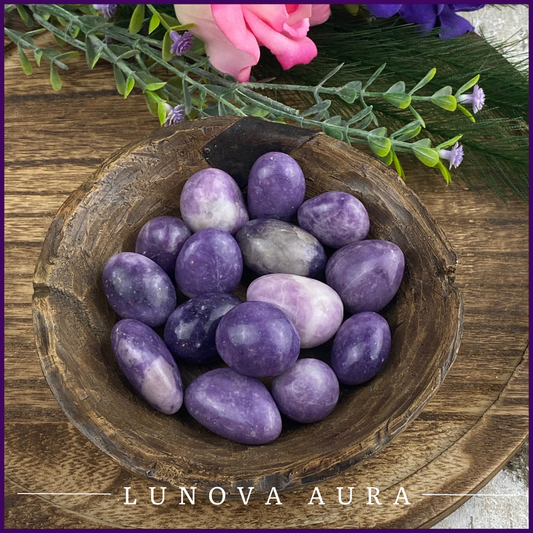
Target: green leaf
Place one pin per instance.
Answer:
(154, 23)
(426, 143)
(397, 165)
(350, 91)
(25, 62)
(38, 54)
(61, 21)
(417, 116)
(408, 131)
(161, 112)
(67, 55)
(183, 27)
(58, 40)
(334, 121)
(398, 87)
(74, 31)
(428, 156)
(119, 79)
(380, 145)
(424, 81)
(137, 19)
(330, 74)
(360, 116)
(445, 91)
(255, 111)
(333, 132)
(152, 102)
(90, 52)
(317, 108)
(387, 159)
(24, 15)
(170, 21)
(466, 112)
(445, 172)
(379, 132)
(187, 98)
(167, 42)
(155, 86)
(374, 76)
(400, 100)
(447, 102)
(447, 144)
(55, 80)
(467, 85)
(130, 83)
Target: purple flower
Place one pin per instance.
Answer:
(429, 16)
(175, 115)
(108, 10)
(477, 99)
(454, 156)
(181, 43)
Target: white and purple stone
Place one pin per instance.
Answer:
(271, 246)
(234, 406)
(191, 327)
(307, 392)
(360, 348)
(257, 339)
(161, 239)
(335, 218)
(276, 187)
(148, 365)
(209, 261)
(366, 274)
(315, 309)
(137, 287)
(211, 198)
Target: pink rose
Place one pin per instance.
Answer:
(232, 33)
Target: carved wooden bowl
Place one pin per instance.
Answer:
(73, 320)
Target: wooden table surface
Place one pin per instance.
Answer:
(469, 430)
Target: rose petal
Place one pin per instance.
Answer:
(319, 14)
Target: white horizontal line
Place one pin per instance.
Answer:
(513, 495)
(68, 493)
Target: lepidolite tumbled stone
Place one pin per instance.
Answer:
(234, 406)
(307, 392)
(315, 309)
(137, 287)
(257, 339)
(211, 198)
(161, 239)
(148, 365)
(335, 218)
(360, 348)
(276, 187)
(366, 274)
(210, 261)
(190, 329)
(272, 246)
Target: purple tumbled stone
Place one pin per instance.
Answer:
(360, 348)
(307, 392)
(257, 339)
(211, 198)
(190, 329)
(209, 261)
(137, 287)
(366, 274)
(271, 246)
(276, 187)
(161, 239)
(234, 406)
(335, 218)
(148, 365)
(314, 308)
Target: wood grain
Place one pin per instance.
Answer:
(464, 435)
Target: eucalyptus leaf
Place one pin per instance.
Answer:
(55, 80)
(25, 62)
(119, 79)
(137, 19)
(350, 91)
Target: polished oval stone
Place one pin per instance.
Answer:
(360, 348)
(366, 274)
(271, 246)
(211, 198)
(335, 218)
(137, 287)
(234, 406)
(161, 239)
(257, 339)
(210, 261)
(315, 309)
(307, 392)
(276, 187)
(148, 365)
(191, 327)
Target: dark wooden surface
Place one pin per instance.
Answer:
(477, 420)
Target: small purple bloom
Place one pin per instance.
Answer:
(429, 16)
(477, 99)
(175, 115)
(181, 43)
(454, 156)
(108, 10)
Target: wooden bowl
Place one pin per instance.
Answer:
(73, 320)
